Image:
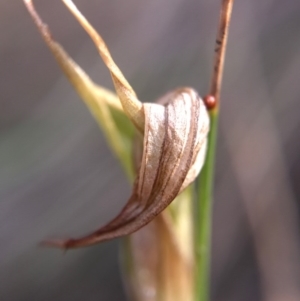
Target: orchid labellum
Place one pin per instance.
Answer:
(174, 136)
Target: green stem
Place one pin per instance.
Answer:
(203, 223)
(204, 214)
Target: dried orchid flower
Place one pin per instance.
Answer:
(174, 137)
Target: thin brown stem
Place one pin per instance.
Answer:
(220, 49)
(206, 178)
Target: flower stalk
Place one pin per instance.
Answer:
(203, 221)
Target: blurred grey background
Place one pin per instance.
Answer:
(58, 178)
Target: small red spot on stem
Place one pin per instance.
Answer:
(210, 102)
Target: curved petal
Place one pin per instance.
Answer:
(174, 149)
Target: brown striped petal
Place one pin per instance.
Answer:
(174, 145)
(173, 153)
